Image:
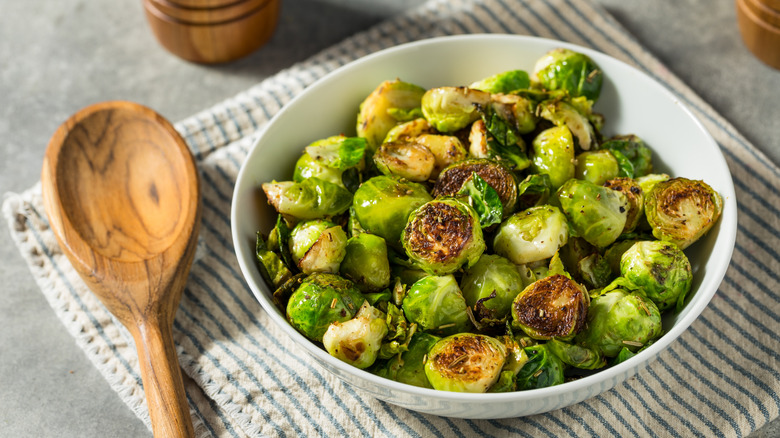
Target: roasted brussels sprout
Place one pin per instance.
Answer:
(562, 113)
(318, 246)
(271, 265)
(465, 362)
(564, 69)
(543, 369)
(505, 82)
(409, 130)
(490, 286)
(578, 356)
(498, 176)
(437, 306)
(409, 366)
(553, 307)
(681, 210)
(382, 205)
(446, 149)
(443, 235)
(635, 197)
(320, 300)
(660, 269)
(634, 158)
(357, 341)
(596, 213)
(311, 198)
(620, 319)
(614, 253)
(519, 111)
(553, 154)
(532, 235)
(586, 264)
(378, 112)
(405, 159)
(366, 263)
(331, 159)
(596, 166)
(449, 109)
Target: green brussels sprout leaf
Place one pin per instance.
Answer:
(534, 190)
(338, 152)
(505, 383)
(272, 268)
(635, 159)
(400, 333)
(505, 82)
(483, 199)
(543, 369)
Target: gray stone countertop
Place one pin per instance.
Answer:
(59, 56)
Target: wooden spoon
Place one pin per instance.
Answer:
(122, 194)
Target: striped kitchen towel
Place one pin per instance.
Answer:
(720, 378)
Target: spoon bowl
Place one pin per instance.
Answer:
(122, 194)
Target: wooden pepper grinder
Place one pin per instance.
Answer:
(759, 23)
(212, 31)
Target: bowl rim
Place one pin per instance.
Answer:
(704, 293)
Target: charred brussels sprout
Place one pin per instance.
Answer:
(634, 158)
(358, 340)
(365, 262)
(505, 82)
(564, 69)
(320, 300)
(452, 179)
(449, 109)
(553, 307)
(382, 205)
(620, 319)
(446, 149)
(443, 235)
(532, 235)
(681, 210)
(317, 246)
(635, 197)
(465, 362)
(553, 154)
(596, 213)
(379, 111)
(562, 113)
(311, 198)
(409, 366)
(405, 159)
(596, 166)
(660, 269)
(490, 286)
(543, 369)
(578, 356)
(437, 306)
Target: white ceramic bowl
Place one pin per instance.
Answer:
(631, 101)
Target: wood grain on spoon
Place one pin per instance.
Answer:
(122, 194)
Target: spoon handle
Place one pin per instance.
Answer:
(163, 385)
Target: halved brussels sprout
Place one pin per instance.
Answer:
(681, 210)
(519, 111)
(465, 362)
(443, 235)
(596, 213)
(452, 179)
(311, 198)
(405, 159)
(318, 246)
(620, 319)
(553, 307)
(365, 262)
(376, 116)
(446, 149)
(578, 356)
(635, 197)
(596, 166)
(382, 205)
(532, 235)
(409, 366)
(634, 158)
(490, 286)
(543, 369)
(562, 113)
(660, 269)
(553, 154)
(328, 159)
(320, 300)
(357, 340)
(504, 82)
(437, 306)
(449, 109)
(564, 69)
(409, 130)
